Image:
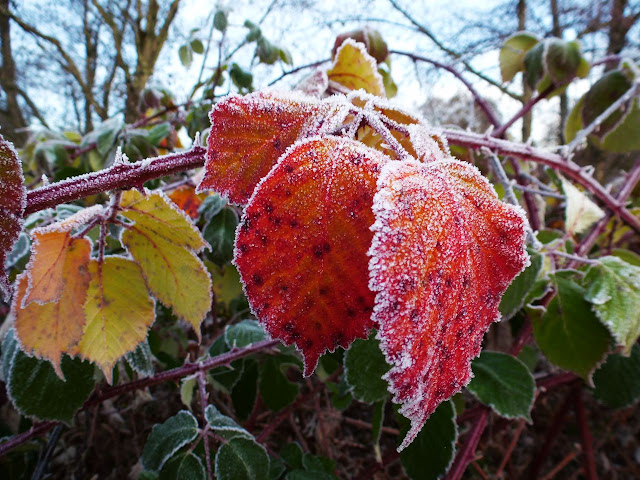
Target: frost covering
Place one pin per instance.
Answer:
(301, 247)
(13, 200)
(444, 250)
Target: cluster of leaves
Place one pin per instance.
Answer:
(359, 235)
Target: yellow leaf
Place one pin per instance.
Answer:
(580, 212)
(118, 312)
(355, 69)
(162, 217)
(48, 330)
(175, 275)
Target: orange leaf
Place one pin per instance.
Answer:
(48, 330)
(444, 251)
(354, 69)
(186, 198)
(301, 247)
(13, 199)
(47, 263)
(249, 134)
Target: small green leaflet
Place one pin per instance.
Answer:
(37, 391)
(184, 466)
(504, 383)
(220, 233)
(275, 389)
(167, 438)
(515, 296)
(243, 333)
(224, 426)
(569, 334)
(242, 459)
(364, 366)
(431, 453)
(617, 381)
(613, 287)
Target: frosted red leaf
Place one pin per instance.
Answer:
(13, 199)
(301, 248)
(249, 134)
(445, 249)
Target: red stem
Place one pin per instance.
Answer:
(567, 167)
(119, 176)
(587, 440)
(467, 451)
(526, 108)
(482, 103)
(175, 374)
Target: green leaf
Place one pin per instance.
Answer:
(167, 438)
(613, 287)
(243, 394)
(515, 296)
(504, 383)
(276, 390)
(533, 65)
(141, 359)
(254, 31)
(186, 55)
(529, 356)
(243, 333)
(224, 426)
(317, 463)
(292, 454)
(158, 133)
(220, 21)
(197, 46)
(569, 334)
(627, 256)
(512, 53)
(267, 52)
(184, 466)
(240, 77)
(377, 420)
(37, 391)
(107, 133)
(19, 250)
(187, 387)
(220, 233)
(574, 121)
(285, 56)
(242, 459)
(211, 206)
(431, 453)
(364, 366)
(561, 60)
(623, 137)
(617, 381)
(600, 96)
(276, 468)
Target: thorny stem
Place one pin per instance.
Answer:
(526, 108)
(202, 390)
(575, 258)
(510, 448)
(297, 69)
(567, 167)
(119, 176)
(544, 193)
(166, 376)
(482, 103)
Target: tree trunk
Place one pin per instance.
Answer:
(526, 90)
(11, 116)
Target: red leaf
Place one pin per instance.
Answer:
(13, 199)
(249, 134)
(301, 247)
(444, 251)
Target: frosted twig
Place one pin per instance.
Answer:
(585, 132)
(575, 258)
(544, 193)
(510, 196)
(567, 167)
(202, 390)
(381, 129)
(297, 69)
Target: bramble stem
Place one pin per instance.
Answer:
(567, 167)
(466, 453)
(119, 176)
(169, 375)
